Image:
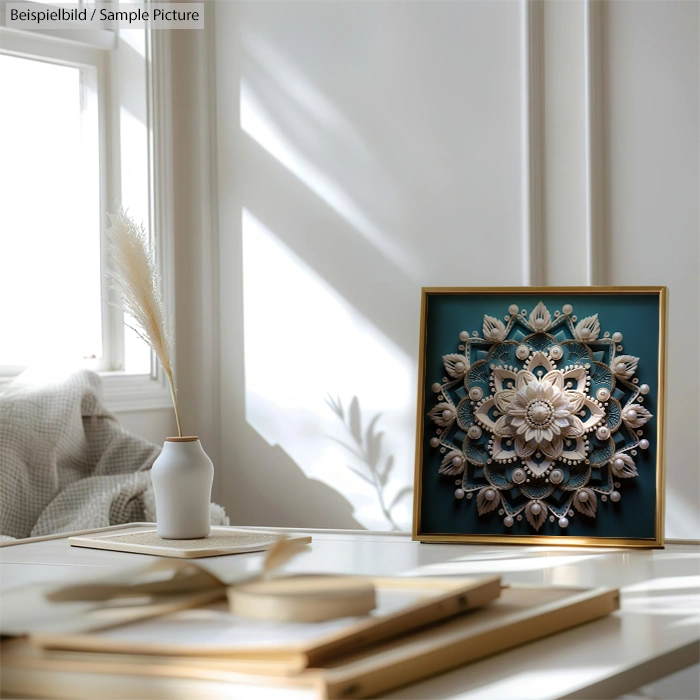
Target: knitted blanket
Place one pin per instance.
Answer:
(66, 463)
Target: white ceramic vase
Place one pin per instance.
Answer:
(182, 477)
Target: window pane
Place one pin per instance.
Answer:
(135, 188)
(50, 284)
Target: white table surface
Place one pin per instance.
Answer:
(655, 633)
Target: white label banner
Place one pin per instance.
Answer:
(128, 15)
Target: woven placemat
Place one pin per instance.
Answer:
(221, 541)
(216, 540)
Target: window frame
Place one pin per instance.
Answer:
(95, 49)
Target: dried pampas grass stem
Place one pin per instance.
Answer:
(138, 282)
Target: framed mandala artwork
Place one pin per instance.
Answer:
(540, 416)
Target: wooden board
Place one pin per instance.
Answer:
(403, 605)
(521, 615)
(221, 541)
(27, 609)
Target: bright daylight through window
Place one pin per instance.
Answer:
(72, 149)
(50, 218)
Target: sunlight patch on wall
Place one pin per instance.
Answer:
(315, 106)
(260, 125)
(303, 343)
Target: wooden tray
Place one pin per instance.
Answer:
(521, 615)
(403, 606)
(221, 541)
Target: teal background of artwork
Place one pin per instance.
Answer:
(636, 316)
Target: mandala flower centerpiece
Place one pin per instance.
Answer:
(539, 416)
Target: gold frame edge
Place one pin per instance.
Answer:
(647, 543)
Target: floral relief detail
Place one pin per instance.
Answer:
(586, 502)
(452, 463)
(635, 416)
(624, 366)
(493, 328)
(540, 318)
(456, 365)
(551, 420)
(539, 414)
(536, 514)
(443, 414)
(623, 466)
(588, 329)
(487, 500)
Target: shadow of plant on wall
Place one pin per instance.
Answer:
(367, 447)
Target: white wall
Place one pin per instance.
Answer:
(196, 315)
(154, 425)
(652, 119)
(367, 149)
(363, 159)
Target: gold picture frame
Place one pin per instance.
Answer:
(426, 534)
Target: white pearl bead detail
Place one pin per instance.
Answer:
(434, 442)
(459, 366)
(618, 464)
(522, 352)
(475, 393)
(563, 522)
(447, 414)
(489, 494)
(644, 444)
(508, 521)
(603, 432)
(556, 476)
(519, 476)
(615, 496)
(582, 496)
(556, 353)
(567, 308)
(602, 394)
(437, 387)
(459, 493)
(513, 309)
(535, 508)
(617, 337)
(631, 414)
(457, 461)
(643, 388)
(474, 432)
(464, 336)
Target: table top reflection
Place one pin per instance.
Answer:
(655, 633)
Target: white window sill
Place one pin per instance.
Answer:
(134, 392)
(123, 393)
